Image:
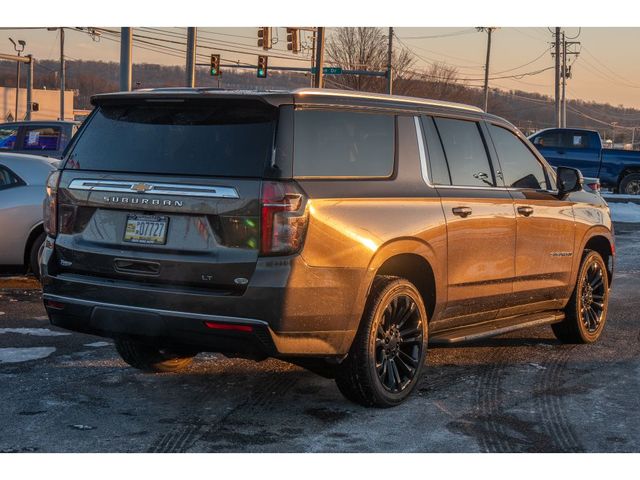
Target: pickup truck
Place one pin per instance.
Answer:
(582, 149)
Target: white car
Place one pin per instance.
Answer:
(22, 191)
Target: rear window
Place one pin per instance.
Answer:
(42, 138)
(220, 138)
(343, 144)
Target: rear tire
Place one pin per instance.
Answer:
(630, 184)
(388, 353)
(586, 312)
(34, 254)
(150, 358)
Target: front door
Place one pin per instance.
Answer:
(545, 227)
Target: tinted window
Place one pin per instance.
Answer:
(465, 152)
(7, 179)
(211, 138)
(343, 144)
(41, 138)
(8, 136)
(520, 168)
(562, 139)
(438, 172)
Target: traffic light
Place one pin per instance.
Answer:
(215, 65)
(262, 66)
(264, 38)
(293, 39)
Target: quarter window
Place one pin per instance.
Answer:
(343, 144)
(8, 136)
(7, 179)
(465, 152)
(519, 166)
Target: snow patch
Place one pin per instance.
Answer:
(17, 355)
(625, 212)
(37, 332)
(97, 344)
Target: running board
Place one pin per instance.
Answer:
(495, 327)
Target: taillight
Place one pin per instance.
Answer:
(51, 204)
(594, 186)
(283, 218)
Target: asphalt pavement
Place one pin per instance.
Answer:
(523, 392)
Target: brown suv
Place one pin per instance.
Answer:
(340, 231)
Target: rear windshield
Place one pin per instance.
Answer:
(220, 138)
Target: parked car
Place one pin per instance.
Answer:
(582, 149)
(340, 231)
(22, 192)
(46, 138)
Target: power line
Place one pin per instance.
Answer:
(444, 35)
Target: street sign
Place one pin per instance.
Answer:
(328, 70)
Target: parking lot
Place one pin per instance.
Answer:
(525, 392)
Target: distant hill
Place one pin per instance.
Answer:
(528, 111)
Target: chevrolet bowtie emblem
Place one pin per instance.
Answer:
(141, 187)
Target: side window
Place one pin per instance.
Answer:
(8, 179)
(576, 140)
(8, 136)
(520, 168)
(343, 144)
(41, 138)
(551, 139)
(465, 153)
(438, 170)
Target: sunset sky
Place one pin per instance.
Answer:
(607, 69)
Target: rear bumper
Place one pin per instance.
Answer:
(292, 309)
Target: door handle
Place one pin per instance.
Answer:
(526, 211)
(461, 211)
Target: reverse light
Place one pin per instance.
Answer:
(50, 206)
(283, 218)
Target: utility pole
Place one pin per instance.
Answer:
(563, 122)
(29, 88)
(191, 56)
(63, 73)
(489, 31)
(19, 50)
(557, 79)
(389, 63)
(313, 55)
(126, 35)
(319, 80)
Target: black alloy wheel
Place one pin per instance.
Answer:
(388, 353)
(399, 344)
(592, 296)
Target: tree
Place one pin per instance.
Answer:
(366, 48)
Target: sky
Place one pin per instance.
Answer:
(607, 69)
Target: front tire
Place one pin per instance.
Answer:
(586, 312)
(150, 358)
(388, 353)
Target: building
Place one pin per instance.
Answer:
(46, 104)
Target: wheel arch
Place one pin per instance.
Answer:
(627, 171)
(413, 259)
(36, 230)
(602, 241)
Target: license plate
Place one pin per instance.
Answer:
(148, 229)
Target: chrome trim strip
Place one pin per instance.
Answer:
(194, 316)
(423, 152)
(328, 92)
(116, 186)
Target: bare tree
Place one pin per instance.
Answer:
(365, 48)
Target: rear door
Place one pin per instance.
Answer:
(545, 226)
(481, 227)
(167, 193)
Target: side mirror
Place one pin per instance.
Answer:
(569, 180)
